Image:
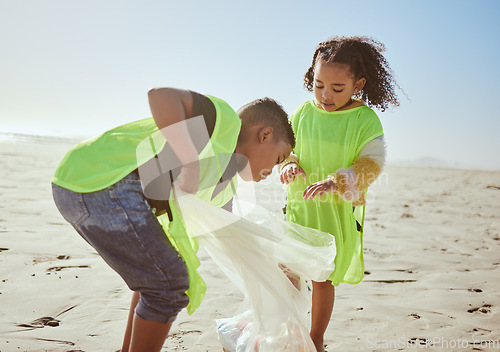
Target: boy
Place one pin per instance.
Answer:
(114, 190)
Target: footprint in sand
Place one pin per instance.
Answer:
(484, 309)
(59, 268)
(404, 271)
(391, 281)
(479, 330)
(407, 216)
(418, 341)
(38, 260)
(41, 322)
(45, 321)
(476, 290)
(493, 187)
(481, 248)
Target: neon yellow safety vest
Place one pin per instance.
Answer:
(327, 141)
(102, 161)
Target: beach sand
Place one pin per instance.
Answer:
(432, 262)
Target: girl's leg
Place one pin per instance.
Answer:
(323, 296)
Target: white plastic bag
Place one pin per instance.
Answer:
(253, 251)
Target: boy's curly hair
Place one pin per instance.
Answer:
(364, 57)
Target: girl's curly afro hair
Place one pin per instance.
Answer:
(363, 56)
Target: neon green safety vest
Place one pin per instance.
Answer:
(102, 161)
(327, 141)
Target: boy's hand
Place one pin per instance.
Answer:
(289, 172)
(320, 188)
(189, 178)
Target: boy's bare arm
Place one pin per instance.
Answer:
(171, 106)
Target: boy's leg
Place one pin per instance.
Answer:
(130, 321)
(323, 297)
(141, 334)
(148, 335)
(119, 224)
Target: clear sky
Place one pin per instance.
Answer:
(72, 67)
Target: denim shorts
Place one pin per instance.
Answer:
(119, 223)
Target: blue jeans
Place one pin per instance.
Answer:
(119, 223)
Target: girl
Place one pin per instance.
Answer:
(339, 152)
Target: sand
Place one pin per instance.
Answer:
(432, 264)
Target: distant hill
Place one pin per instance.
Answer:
(24, 137)
(436, 163)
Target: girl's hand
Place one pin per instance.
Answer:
(320, 188)
(289, 172)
